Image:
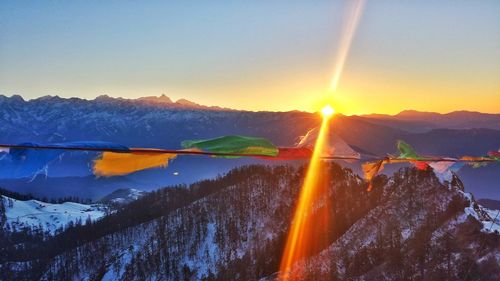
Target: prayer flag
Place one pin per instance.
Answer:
(116, 164)
(335, 146)
(29, 162)
(290, 153)
(406, 151)
(235, 145)
(495, 155)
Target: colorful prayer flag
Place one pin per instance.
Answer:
(235, 145)
(290, 153)
(495, 155)
(371, 169)
(476, 162)
(441, 166)
(29, 162)
(335, 146)
(117, 164)
(406, 151)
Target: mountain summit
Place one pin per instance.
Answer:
(163, 99)
(166, 102)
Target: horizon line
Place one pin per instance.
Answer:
(221, 108)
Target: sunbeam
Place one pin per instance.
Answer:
(308, 227)
(349, 29)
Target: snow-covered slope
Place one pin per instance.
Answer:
(490, 219)
(48, 217)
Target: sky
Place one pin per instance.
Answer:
(257, 55)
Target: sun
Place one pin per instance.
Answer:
(327, 111)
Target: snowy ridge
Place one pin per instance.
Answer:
(122, 196)
(38, 215)
(489, 218)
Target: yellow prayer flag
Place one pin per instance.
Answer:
(116, 164)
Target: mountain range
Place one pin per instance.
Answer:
(159, 122)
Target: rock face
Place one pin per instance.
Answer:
(410, 227)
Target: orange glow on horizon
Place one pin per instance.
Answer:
(307, 231)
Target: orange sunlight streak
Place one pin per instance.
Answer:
(345, 41)
(310, 220)
(309, 228)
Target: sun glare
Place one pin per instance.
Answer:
(327, 111)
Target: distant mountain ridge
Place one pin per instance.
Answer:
(159, 101)
(431, 120)
(489, 203)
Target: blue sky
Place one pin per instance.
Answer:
(257, 55)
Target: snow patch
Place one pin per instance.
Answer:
(48, 217)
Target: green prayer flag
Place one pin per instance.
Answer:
(406, 151)
(234, 144)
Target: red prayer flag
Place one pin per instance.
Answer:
(494, 153)
(421, 165)
(290, 153)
